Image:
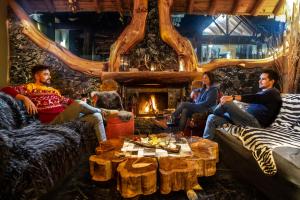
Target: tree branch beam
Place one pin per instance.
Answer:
(236, 6)
(278, 7)
(257, 7)
(190, 5)
(212, 7)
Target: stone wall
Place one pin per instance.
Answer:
(153, 53)
(234, 80)
(24, 54)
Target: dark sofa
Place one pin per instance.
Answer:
(268, 158)
(34, 157)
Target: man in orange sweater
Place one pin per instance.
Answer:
(50, 106)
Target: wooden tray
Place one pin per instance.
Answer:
(169, 150)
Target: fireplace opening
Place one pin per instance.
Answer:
(150, 104)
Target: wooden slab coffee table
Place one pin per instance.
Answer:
(139, 175)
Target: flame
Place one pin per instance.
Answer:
(150, 106)
(147, 107)
(153, 102)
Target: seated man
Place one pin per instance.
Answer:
(51, 107)
(204, 102)
(262, 111)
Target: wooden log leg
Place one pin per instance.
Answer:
(176, 174)
(137, 176)
(107, 160)
(100, 169)
(205, 156)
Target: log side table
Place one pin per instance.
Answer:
(139, 175)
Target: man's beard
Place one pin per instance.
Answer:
(47, 82)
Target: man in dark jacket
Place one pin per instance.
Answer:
(262, 111)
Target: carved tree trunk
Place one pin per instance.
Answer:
(205, 157)
(292, 39)
(137, 176)
(132, 34)
(176, 174)
(244, 63)
(168, 33)
(85, 66)
(103, 166)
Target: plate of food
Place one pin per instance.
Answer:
(156, 142)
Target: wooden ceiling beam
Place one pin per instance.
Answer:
(212, 7)
(189, 7)
(278, 7)
(50, 5)
(120, 5)
(257, 7)
(99, 6)
(236, 6)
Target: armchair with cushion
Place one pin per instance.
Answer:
(119, 123)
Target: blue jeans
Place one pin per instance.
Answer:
(79, 110)
(228, 113)
(185, 111)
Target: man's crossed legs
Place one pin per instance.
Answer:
(84, 112)
(185, 111)
(228, 113)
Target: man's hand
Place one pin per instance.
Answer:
(226, 99)
(30, 107)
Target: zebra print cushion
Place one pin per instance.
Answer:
(285, 131)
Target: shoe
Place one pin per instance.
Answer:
(171, 121)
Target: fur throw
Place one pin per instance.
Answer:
(35, 157)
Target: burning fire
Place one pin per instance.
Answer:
(150, 106)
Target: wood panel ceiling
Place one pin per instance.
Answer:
(210, 7)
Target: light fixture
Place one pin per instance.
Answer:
(73, 5)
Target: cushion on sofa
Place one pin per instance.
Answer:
(288, 163)
(290, 154)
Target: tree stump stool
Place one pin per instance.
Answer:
(176, 174)
(205, 157)
(137, 176)
(103, 166)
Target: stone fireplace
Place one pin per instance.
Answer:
(152, 62)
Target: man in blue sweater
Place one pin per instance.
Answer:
(262, 111)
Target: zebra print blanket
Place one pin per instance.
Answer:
(285, 131)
